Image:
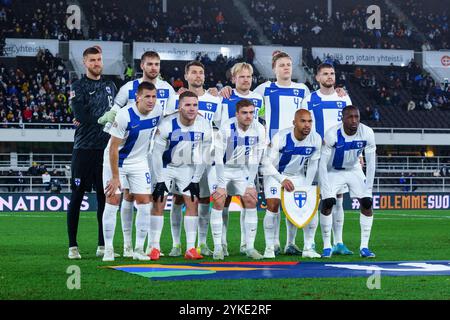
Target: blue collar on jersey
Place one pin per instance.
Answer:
(317, 106)
(175, 137)
(290, 150)
(342, 146)
(233, 141)
(274, 93)
(135, 126)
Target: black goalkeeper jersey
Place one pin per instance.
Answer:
(89, 100)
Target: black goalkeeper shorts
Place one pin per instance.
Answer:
(87, 167)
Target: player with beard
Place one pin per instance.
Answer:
(90, 98)
(326, 108)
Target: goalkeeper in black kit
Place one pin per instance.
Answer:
(90, 98)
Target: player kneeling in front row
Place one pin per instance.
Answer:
(126, 160)
(339, 166)
(238, 151)
(180, 143)
(284, 167)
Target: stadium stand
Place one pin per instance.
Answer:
(309, 25)
(35, 91)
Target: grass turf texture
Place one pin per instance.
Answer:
(33, 261)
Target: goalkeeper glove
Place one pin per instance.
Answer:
(194, 188)
(107, 117)
(160, 188)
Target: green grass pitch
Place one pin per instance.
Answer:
(33, 262)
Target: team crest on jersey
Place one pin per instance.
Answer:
(209, 106)
(108, 89)
(308, 150)
(273, 190)
(154, 122)
(339, 104)
(252, 140)
(214, 187)
(77, 181)
(296, 92)
(300, 198)
(255, 102)
(161, 93)
(359, 144)
(197, 136)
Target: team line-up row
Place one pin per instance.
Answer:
(307, 138)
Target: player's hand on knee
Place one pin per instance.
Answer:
(194, 189)
(112, 186)
(159, 192)
(288, 185)
(219, 193)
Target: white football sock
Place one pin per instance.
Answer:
(203, 222)
(251, 225)
(156, 226)
(338, 221)
(175, 223)
(366, 227)
(277, 228)
(269, 228)
(142, 224)
(126, 217)
(109, 224)
(190, 227)
(242, 220)
(309, 232)
(291, 232)
(225, 217)
(216, 227)
(325, 225)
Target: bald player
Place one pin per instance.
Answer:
(289, 151)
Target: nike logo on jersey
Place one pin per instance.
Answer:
(134, 127)
(316, 104)
(272, 91)
(91, 93)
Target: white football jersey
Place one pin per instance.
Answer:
(229, 105)
(183, 145)
(326, 110)
(209, 106)
(240, 148)
(127, 93)
(280, 104)
(344, 150)
(136, 131)
(289, 155)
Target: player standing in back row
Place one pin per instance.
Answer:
(209, 107)
(281, 100)
(326, 107)
(90, 98)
